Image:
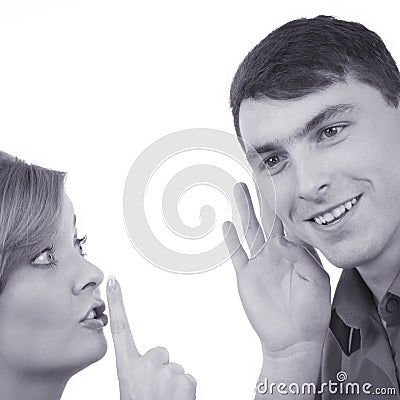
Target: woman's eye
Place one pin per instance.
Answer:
(46, 257)
(331, 131)
(79, 243)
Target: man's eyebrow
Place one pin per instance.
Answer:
(324, 115)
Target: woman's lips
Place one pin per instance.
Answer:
(95, 317)
(96, 323)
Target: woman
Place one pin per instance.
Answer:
(51, 314)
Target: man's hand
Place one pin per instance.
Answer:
(147, 377)
(284, 290)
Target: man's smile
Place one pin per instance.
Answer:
(333, 215)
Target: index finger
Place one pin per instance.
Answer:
(271, 223)
(251, 227)
(124, 344)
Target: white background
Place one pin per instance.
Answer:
(85, 86)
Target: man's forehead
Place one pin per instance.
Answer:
(272, 120)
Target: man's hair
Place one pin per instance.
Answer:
(307, 55)
(31, 199)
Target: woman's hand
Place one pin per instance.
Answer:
(143, 377)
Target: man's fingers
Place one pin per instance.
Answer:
(293, 238)
(251, 227)
(270, 221)
(236, 251)
(304, 262)
(124, 344)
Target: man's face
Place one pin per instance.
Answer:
(334, 158)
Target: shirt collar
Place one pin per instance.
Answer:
(353, 300)
(395, 286)
(351, 308)
(389, 306)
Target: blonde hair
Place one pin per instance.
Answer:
(30, 211)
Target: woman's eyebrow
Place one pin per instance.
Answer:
(326, 114)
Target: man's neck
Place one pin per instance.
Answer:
(379, 273)
(16, 386)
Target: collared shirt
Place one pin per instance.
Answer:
(360, 353)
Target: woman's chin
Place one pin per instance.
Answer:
(92, 353)
(99, 349)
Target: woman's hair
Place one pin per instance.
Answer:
(307, 55)
(31, 200)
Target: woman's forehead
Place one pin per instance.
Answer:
(68, 219)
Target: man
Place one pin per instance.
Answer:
(318, 101)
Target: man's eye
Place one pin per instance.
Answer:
(272, 161)
(46, 257)
(331, 132)
(275, 163)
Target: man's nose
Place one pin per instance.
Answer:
(313, 179)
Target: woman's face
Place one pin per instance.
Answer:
(45, 305)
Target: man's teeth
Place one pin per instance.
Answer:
(91, 315)
(335, 213)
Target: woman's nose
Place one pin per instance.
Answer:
(89, 278)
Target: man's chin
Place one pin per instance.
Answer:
(351, 256)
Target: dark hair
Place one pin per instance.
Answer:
(31, 199)
(306, 55)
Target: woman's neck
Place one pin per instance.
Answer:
(22, 386)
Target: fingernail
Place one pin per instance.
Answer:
(112, 284)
